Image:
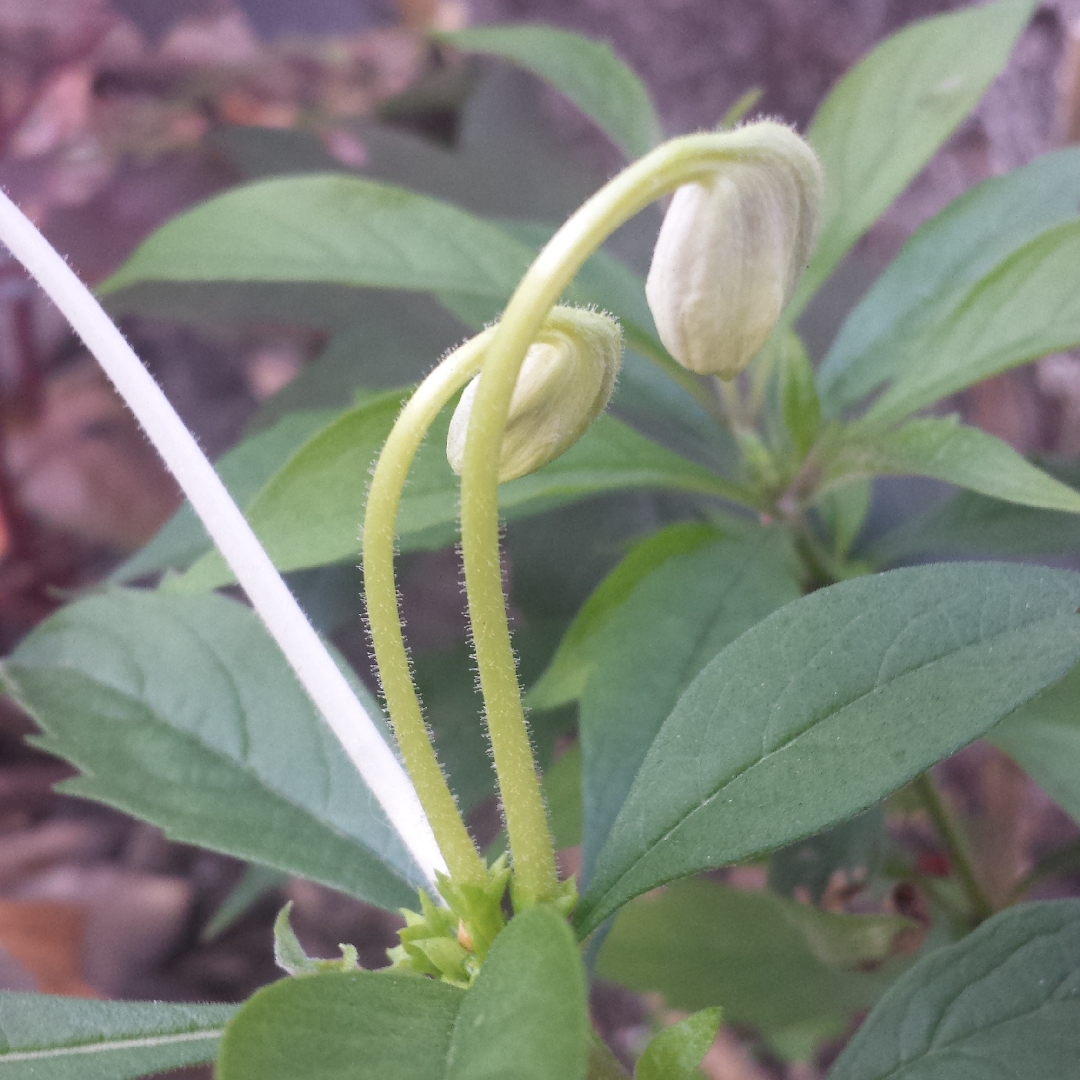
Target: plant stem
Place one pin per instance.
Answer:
(981, 907)
(1064, 860)
(269, 595)
(729, 398)
(602, 1063)
(678, 162)
(384, 617)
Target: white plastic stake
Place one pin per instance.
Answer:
(228, 528)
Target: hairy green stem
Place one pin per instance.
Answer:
(678, 162)
(981, 907)
(384, 616)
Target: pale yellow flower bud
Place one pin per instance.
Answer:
(565, 382)
(731, 249)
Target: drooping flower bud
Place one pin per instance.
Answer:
(731, 249)
(565, 382)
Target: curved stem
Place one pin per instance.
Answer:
(270, 597)
(981, 906)
(681, 161)
(384, 617)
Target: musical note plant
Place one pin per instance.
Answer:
(752, 681)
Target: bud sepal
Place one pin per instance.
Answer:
(450, 943)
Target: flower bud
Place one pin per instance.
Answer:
(565, 382)
(731, 249)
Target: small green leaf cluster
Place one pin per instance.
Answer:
(452, 942)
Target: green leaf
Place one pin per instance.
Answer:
(930, 278)
(799, 404)
(393, 338)
(243, 470)
(586, 71)
(309, 512)
(844, 509)
(329, 228)
(562, 793)
(1004, 1002)
(523, 1016)
(219, 746)
(846, 854)
(399, 1026)
(827, 706)
(701, 944)
(494, 109)
(576, 658)
(1043, 736)
(668, 625)
(61, 1038)
(361, 233)
(1026, 307)
(254, 884)
(289, 954)
(947, 450)
(331, 231)
(888, 115)
(971, 524)
(676, 1052)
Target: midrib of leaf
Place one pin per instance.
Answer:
(877, 687)
(145, 1043)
